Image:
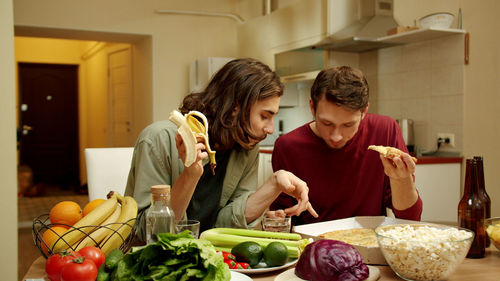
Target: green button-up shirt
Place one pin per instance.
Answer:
(156, 161)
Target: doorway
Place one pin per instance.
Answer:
(48, 137)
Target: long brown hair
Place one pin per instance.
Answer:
(228, 98)
(342, 85)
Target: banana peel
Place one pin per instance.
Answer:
(189, 127)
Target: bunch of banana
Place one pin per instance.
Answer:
(119, 232)
(190, 128)
(101, 225)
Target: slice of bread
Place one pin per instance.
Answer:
(388, 152)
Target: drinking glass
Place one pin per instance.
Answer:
(277, 224)
(192, 225)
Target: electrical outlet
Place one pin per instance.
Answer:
(445, 136)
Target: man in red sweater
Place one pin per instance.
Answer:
(330, 154)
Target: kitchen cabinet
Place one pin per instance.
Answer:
(299, 24)
(265, 167)
(439, 188)
(202, 70)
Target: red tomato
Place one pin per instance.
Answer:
(80, 269)
(93, 253)
(56, 262)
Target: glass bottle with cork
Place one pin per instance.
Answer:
(482, 192)
(471, 210)
(160, 218)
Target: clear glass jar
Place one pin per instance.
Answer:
(160, 218)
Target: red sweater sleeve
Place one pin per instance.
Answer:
(412, 213)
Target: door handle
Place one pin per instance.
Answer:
(26, 129)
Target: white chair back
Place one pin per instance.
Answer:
(107, 169)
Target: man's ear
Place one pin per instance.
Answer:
(364, 111)
(311, 106)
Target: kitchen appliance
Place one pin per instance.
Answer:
(202, 70)
(406, 126)
(367, 20)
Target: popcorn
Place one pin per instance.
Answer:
(421, 252)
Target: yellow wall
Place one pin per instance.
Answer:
(8, 174)
(92, 59)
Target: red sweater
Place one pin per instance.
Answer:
(345, 182)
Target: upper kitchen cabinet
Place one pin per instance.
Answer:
(300, 24)
(254, 39)
(296, 25)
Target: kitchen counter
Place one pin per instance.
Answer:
(421, 159)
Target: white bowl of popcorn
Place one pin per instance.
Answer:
(423, 251)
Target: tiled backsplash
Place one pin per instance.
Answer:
(420, 81)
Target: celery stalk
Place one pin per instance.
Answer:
(227, 238)
(257, 233)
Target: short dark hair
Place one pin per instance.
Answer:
(342, 85)
(239, 83)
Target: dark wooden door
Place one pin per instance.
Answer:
(48, 96)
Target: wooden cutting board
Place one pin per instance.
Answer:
(289, 275)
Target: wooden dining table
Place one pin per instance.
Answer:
(485, 269)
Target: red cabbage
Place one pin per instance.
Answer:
(331, 260)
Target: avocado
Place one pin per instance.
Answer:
(249, 252)
(275, 254)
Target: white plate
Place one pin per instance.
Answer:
(236, 276)
(289, 275)
(261, 268)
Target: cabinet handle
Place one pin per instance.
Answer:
(466, 48)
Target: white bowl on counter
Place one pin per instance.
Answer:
(437, 20)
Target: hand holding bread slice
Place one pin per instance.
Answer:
(388, 152)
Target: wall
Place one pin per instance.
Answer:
(95, 70)
(481, 103)
(176, 39)
(482, 91)
(8, 201)
(422, 81)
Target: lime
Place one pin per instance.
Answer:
(248, 251)
(275, 254)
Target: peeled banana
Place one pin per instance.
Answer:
(119, 232)
(190, 128)
(86, 225)
(94, 238)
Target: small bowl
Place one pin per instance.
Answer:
(437, 20)
(424, 251)
(493, 230)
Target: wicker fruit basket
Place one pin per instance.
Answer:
(42, 224)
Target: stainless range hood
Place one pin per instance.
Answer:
(375, 18)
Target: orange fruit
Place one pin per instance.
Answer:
(50, 236)
(65, 212)
(92, 205)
